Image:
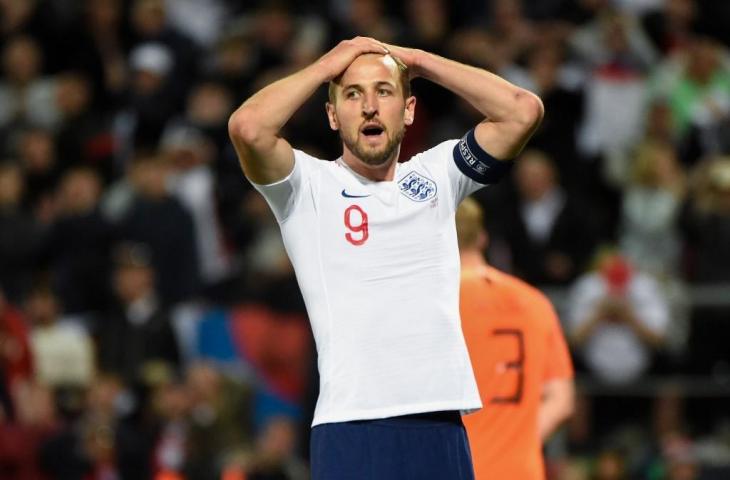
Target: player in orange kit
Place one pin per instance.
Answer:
(520, 360)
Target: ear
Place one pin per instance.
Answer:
(410, 112)
(332, 116)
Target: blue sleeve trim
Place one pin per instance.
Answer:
(477, 164)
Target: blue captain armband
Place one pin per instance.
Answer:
(477, 164)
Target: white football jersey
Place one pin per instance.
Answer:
(378, 266)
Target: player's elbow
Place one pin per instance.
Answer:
(559, 398)
(243, 126)
(529, 110)
(567, 400)
(568, 406)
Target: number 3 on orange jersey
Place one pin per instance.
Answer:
(517, 365)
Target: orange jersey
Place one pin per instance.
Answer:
(516, 345)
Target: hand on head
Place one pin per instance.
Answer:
(339, 58)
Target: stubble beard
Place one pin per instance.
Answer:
(372, 156)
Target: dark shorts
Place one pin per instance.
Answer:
(430, 446)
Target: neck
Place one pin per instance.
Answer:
(472, 258)
(378, 173)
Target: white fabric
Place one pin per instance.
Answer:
(384, 314)
(194, 187)
(649, 235)
(203, 20)
(614, 352)
(35, 104)
(63, 354)
(614, 114)
(141, 310)
(540, 216)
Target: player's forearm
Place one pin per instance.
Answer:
(497, 99)
(259, 119)
(557, 406)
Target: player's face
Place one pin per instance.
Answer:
(370, 112)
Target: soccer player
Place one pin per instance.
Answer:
(373, 244)
(520, 360)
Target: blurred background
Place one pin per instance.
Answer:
(150, 323)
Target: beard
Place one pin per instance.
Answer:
(375, 157)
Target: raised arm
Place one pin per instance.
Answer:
(511, 113)
(254, 127)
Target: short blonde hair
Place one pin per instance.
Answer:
(469, 222)
(647, 158)
(404, 77)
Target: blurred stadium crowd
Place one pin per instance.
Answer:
(150, 324)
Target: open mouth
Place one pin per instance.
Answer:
(372, 130)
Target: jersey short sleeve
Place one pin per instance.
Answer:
(283, 195)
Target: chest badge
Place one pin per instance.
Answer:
(417, 187)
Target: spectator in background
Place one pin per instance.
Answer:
(16, 366)
(427, 25)
(650, 211)
(190, 154)
(275, 28)
(63, 352)
(273, 455)
(617, 319)
(265, 257)
(76, 246)
(159, 220)
(233, 59)
(84, 137)
(706, 222)
(649, 229)
(368, 18)
(696, 86)
(149, 24)
(618, 57)
(137, 332)
(207, 108)
(611, 464)
(549, 236)
(220, 427)
(100, 51)
(95, 442)
(547, 74)
(670, 27)
(151, 101)
(35, 148)
(25, 95)
(171, 406)
(516, 33)
(22, 438)
(19, 234)
(200, 20)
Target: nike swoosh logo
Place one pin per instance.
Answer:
(347, 195)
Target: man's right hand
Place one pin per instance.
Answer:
(336, 61)
(254, 127)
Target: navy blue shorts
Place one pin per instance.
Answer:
(431, 446)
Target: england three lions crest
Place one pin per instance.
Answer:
(417, 187)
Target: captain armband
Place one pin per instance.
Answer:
(477, 164)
